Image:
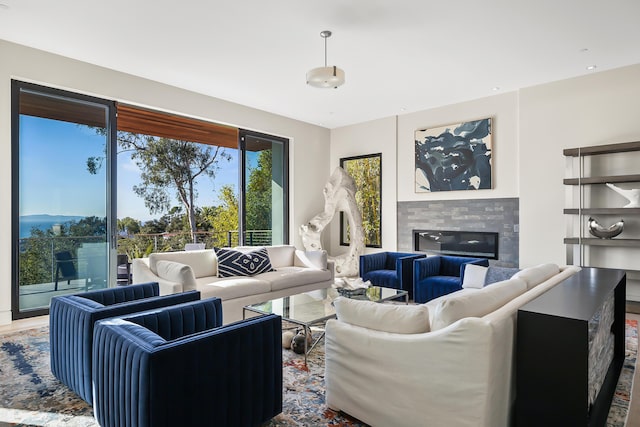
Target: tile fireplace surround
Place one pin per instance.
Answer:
(493, 215)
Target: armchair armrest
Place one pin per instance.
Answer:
(404, 267)
(238, 380)
(71, 326)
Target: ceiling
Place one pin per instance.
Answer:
(399, 56)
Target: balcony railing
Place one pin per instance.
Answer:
(37, 254)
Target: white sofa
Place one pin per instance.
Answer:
(387, 365)
(296, 271)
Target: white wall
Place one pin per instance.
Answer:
(503, 111)
(600, 108)
(309, 150)
(378, 136)
(398, 174)
(531, 128)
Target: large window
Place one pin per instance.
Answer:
(62, 213)
(88, 186)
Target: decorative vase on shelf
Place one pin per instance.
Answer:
(601, 232)
(633, 196)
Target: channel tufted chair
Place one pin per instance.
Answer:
(439, 275)
(71, 323)
(177, 366)
(389, 269)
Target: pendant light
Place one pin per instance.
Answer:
(325, 77)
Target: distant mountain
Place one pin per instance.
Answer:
(50, 218)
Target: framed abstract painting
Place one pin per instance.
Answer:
(454, 157)
(366, 171)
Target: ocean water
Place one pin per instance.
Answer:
(43, 222)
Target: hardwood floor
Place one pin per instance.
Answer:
(21, 325)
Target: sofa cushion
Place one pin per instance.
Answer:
(178, 273)
(476, 304)
(232, 287)
(312, 259)
(499, 274)
(533, 276)
(237, 263)
(290, 277)
(203, 263)
(474, 276)
(399, 319)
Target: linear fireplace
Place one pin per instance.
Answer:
(461, 243)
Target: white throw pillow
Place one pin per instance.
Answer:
(178, 273)
(533, 276)
(474, 276)
(476, 304)
(399, 319)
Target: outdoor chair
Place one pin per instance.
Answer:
(66, 268)
(71, 323)
(124, 270)
(178, 366)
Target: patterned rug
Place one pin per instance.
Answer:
(31, 396)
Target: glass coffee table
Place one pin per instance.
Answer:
(315, 307)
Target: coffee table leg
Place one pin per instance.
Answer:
(307, 333)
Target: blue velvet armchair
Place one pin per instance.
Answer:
(71, 323)
(389, 269)
(440, 275)
(177, 366)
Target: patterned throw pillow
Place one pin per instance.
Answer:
(235, 263)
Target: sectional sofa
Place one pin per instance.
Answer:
(446, 363)
(294, 271)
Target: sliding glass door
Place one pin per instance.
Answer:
(264, 172)
(62, 197)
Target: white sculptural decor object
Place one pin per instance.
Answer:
(633, 196)
(339, 195)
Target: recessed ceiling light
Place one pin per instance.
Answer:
(403, 109)
(495, 88)
(584, 50)
(591, 67)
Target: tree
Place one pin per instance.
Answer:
(366, 174)
(89, 226)
(129, 226)
(166, 165)
(223, 217)
(259, 194)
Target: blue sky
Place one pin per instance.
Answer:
(54, 179)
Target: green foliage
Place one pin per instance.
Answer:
(129, 226)
(259, 193)
(366, 174)
(170, 165)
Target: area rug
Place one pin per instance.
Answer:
(31, 396)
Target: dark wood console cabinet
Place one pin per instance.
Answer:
(552, 351)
